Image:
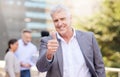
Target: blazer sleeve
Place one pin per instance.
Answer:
(10, 65)
(98, 61)
(43, 64)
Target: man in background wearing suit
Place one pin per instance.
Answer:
(69, 52)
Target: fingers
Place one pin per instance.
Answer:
(52, 46)
(53, 42)
(26, 65)
(52, 49)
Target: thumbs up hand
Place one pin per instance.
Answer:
(52, 46)
(53, 34)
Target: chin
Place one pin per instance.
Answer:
(26, 43)
(62, 33)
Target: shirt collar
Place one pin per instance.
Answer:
(24, 42)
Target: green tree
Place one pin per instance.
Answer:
(106, 26)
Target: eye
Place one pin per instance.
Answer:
(55, 20)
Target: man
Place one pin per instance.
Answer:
(69, 52)
(25, 53)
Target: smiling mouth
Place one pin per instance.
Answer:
(61, 28)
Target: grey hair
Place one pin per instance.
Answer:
(26, 31)
(60, 8)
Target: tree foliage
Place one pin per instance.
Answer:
(106, 26)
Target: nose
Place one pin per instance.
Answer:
(59, 23)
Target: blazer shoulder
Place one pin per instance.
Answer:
(45, 39)
(83, 33)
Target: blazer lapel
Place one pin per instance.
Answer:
(60, 58)
(81, 42)
(80, 39)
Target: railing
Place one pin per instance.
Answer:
(108, 69)
(35, 73)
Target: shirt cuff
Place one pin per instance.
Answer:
(49, 60)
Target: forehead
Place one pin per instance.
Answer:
(15, 43)
(57, 15)
(26, 34)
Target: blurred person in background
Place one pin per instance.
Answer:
(69, 52)
(25, 52)
(12, 65)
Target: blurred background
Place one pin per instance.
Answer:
(99, 16)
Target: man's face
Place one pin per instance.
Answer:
(62, 22)
(26, 37)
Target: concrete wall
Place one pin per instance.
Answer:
(3, 35)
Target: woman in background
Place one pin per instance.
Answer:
(12, 66)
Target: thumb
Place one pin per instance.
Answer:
(53, 34)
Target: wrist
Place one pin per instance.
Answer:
(49, 55)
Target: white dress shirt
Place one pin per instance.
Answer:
(73, 61)
(25, 53)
